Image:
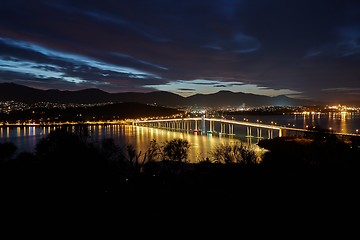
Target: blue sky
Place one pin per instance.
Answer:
(300, 48)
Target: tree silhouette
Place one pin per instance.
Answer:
(234, 154)
(67, 162)
(176, 150)
(7, 150)
(153, 151)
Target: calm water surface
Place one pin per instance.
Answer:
(338, 122)
(26, 138)
(200, 145)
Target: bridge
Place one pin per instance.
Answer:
(222, 127)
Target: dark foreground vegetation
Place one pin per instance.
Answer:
(311, 171)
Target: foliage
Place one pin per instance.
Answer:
(153, 151)
(234, 154)
(65, 160)
(320, 134)
(7, 150)
(296, 155)
(176, 150)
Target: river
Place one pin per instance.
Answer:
(26, 137)
(337, 122)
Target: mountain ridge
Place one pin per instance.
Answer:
(21, 93)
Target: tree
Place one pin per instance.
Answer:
(234, 154)
(153, 151)
(67, 162)
(7, 150)
(176, 149)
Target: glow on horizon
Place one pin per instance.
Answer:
(203, 86)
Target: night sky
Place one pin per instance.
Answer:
(301, 48)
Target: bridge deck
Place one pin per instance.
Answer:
(241, 123)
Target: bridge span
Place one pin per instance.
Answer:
(222, 127)
(219, 126)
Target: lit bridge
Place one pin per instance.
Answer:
(219, 126)
(223, 127)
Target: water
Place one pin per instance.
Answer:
(337, 122)
(26, 137)
(140, 137)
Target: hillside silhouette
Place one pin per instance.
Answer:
(116, 111)
(12, 91)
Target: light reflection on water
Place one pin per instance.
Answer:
(25, 138)
(338, 122)
(140, 137)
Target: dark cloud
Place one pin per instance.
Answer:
(186, 89)
(234, 84)
(126, 45)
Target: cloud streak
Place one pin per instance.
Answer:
(264, 47)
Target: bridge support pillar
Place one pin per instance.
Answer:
(222, 129)
(211, 127)
(248, 132)
(195, 126)
(203, 125)
(258, 132)
(231, 129)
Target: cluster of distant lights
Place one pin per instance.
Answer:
(342, 108)
(159, 117)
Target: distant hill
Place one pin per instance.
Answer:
(227, 98)
(12, 91)
(117, 111)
